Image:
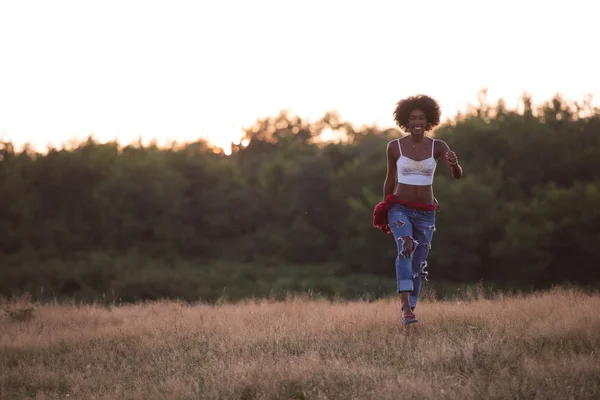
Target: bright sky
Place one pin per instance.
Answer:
(187, 69)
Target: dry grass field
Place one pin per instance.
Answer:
(537, 346)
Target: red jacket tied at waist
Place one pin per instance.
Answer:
(380, 213)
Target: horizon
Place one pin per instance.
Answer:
(326, 136)
(182, 71)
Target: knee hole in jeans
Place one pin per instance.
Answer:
(408, 245)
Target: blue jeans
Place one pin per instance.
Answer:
(410, 225)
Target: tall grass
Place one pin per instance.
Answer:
(540, 345)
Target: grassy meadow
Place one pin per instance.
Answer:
(533, 346)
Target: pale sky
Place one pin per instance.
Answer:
(188, 69)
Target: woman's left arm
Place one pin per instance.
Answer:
(450, 159)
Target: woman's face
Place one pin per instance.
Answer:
(417, 122)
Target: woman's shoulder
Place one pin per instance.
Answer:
(393, 143)
(392, 148)
(396, 142)
(439, 147)
(439, 143)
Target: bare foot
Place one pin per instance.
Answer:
(406, 308)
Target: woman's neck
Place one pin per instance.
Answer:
(417, 138)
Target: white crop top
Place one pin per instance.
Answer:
(411, 172)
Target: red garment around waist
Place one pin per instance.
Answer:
(418, 206)
(381, 210)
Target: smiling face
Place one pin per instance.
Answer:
(417, 122)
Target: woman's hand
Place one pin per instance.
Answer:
(453, 165)
(451, 157)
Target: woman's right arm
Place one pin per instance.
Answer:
(390, 179)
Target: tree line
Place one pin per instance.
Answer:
(82, 220)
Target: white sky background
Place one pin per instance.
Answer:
(187, 69)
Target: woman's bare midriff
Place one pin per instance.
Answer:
(413, 193)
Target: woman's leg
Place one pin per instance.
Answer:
(402, 229)
(423, 227)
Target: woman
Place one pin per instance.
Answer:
(408, 209)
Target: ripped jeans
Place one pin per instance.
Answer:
(417, 226)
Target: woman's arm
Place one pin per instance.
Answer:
(390, 178)
(450, 160)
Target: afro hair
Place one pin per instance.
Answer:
(430, 107)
